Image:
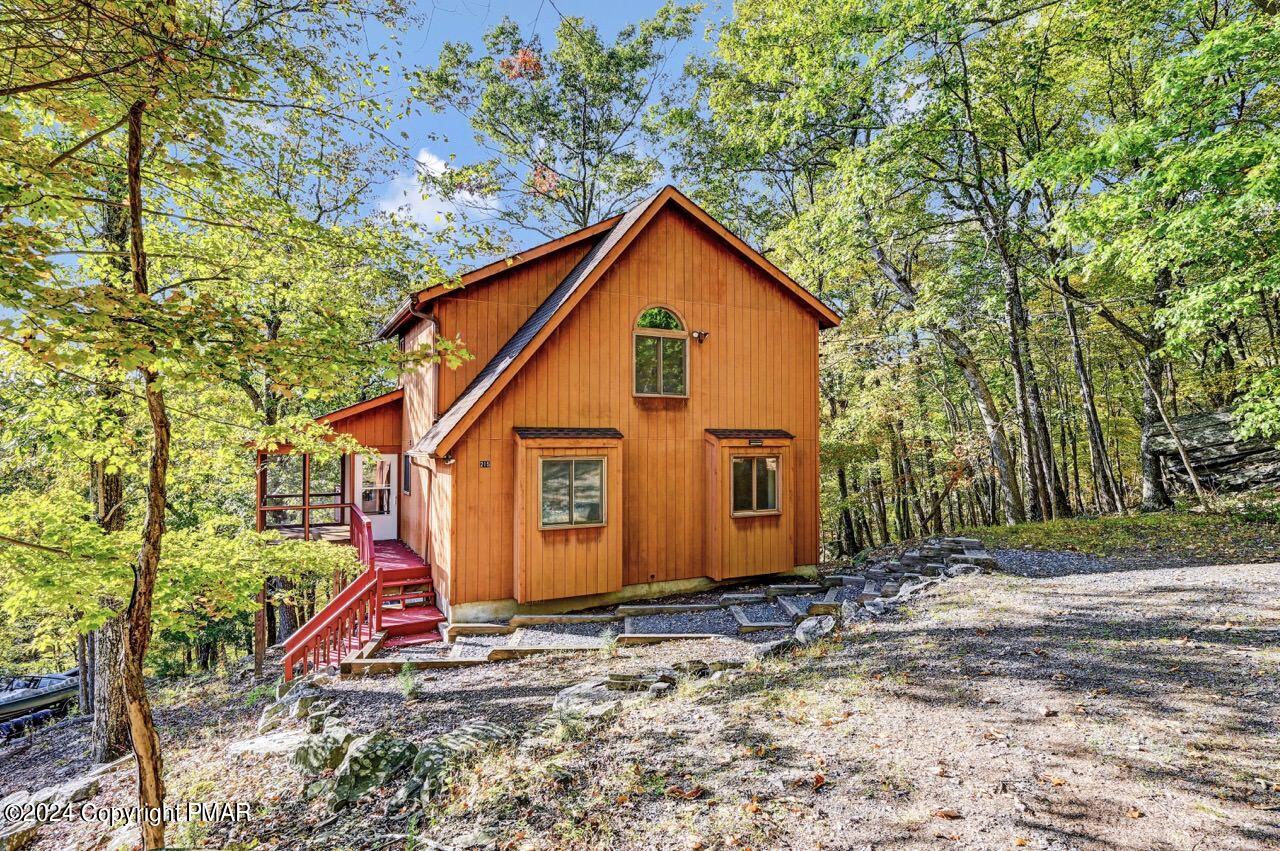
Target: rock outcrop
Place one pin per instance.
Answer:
(1222, 461)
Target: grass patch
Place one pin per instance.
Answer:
(408, 682)
(1227, 533)
(260, 693)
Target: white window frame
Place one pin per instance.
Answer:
(756, 512)
(604, 491)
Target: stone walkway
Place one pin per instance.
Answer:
(759, 613)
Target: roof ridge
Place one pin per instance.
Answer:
(510, 350)
(455, 416)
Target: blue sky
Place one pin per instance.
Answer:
(434, 137)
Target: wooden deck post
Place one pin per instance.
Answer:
(260, 633)
(261, 479)
(306, 496)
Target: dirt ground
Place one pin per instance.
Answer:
(1067, 702)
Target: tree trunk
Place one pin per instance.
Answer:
(1014, 510)
(137, 621)
(84, 698)
(882, 517)
(109, 736)
(1109, 494)
(848, 534)
(1035, 495)
(1154, 495)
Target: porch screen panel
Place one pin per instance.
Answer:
(283, 487)
(326, 489)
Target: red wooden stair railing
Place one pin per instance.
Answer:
(348, 620)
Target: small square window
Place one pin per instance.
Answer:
(572, 492)
(755, 484)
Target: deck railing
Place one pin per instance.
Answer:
(348, 620)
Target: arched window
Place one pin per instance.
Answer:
(661, 354)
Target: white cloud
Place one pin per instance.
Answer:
(407, 195)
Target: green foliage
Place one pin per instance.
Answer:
(255, 301)
(955, 177)
(408, 681)
(77, 576)
(1245, 530)
(563, 125)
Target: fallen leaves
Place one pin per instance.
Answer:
(816, 782)
(690, 794)
(948, 814)
(1135, 813)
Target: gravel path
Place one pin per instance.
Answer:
(1047, 565)
(715, 621)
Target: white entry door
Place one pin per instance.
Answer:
(377, 480)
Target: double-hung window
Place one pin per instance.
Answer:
(755, 484)
(572, 492)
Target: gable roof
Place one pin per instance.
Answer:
(487, 273)
(360, 407)
(508, 360)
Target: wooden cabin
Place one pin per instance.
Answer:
(640, 417)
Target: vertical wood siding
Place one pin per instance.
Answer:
(419, 386)
(485, 317)
(551, 564)
(754, 544)
(757, 369)
(378, 428)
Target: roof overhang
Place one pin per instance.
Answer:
(528, 338)
(484, 274)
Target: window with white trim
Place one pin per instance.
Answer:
(755, 484)
(661, 354)
(571, 492)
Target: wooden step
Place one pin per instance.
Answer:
(425, 580)
(413, 620)
(409, 595)
(396, 574)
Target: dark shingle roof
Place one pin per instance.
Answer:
(524, 335)
(530, 432)
(748, 433)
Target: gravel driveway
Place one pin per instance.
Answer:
(1063, 703)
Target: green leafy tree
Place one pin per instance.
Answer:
(137, 109)
(564, 126)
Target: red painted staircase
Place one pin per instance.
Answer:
(393, 596)
(409, 613)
